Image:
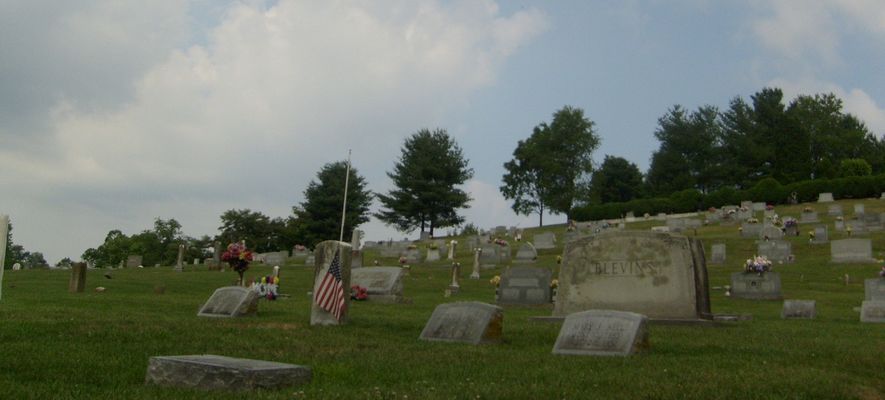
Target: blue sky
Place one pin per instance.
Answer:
(115, 113)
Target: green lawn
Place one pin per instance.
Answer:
(54, 344)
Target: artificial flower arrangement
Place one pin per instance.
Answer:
(790, 222)
(711, 210)
(752, 221)
(358, 293)
(757, 264)
(839, 218)
(412, 247)
(238, 257)
(300, 247)
(769, 207)
(403, 260)
(559, 259)
(500, 242)
(807, 209)
(496, 280)
(554, 284)
(267, 287)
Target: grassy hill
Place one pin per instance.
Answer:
(54, 344)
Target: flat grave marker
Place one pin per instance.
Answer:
(465, 322)
(230, 302)
(799, 309)
(211, 372)
(602, 333)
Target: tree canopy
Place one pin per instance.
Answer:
(320, 213)
(616, 180)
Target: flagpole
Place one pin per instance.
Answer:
(344, 207)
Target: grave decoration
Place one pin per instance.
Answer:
(791, 226)
(757, 265)
(238, 257)
(267, 287)
(757, 282)
(358, 293)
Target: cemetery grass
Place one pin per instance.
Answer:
(54, 344)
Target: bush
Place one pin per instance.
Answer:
(723, 197)
(770, 191)
(687, 200)
(855, 167)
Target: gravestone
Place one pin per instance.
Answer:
(857, 227)
(750, 230)
(489, 256)
(768, 214)
(211, 372)
(799, 309)
(675, 225)
(503, 254)
(852, 251)
(526, 254)
(778, 251)
(743, 214)
(355, 238)
(455, 286)
(752, 286)
(602, 333)
(718, 253)
(196, 261)
(77, 282)
(839, 225)
(383, 284)
(747, 204)
(179, 262)
(216, 257)
(133, 261)
(452, 246)
(758, 206)
(230, 302)
(356, 258)
(821, 235)
(331, 255)
(543, 241)
(808, 217)
(825, 198)
(465, 322)
(525, 286)
(476, 263)
(413, 256)
(874, 289)
(872, 311)
(16, 267)
(661, 275)
(858, 209)
(424, 236)
(432, 254)
(873, 222)
(771, 232)
(834, 210)
(275, 258)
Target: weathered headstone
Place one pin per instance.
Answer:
(413, 256)
(872, 311)
(821, 235)
(857, 227)
(602, 333)
(751, 230)
(543, 241)
(858, 209)
(383, 284)
(808, 217)
(851, 251)
(752, 286)
(216, 257)
(526, 254)
(196, 261)
(230, 302)
(825, 198)
(465, 322)
(758, 206)
(771, 232)
(355, 238)
(718, 253)
(747, 204)
(179, 262)
(310, 260)
(874, 289)
(331, 272)
(223, 373)
(276, 257)
(663, 276)
(799, 309)
(16, 267)
(432, 254)
(78, 278)
(872, 222)
(133, 261)
(778, 251)
(525, 286)
(489, 256)
(743, 214)
(425, 236)
(834, 210)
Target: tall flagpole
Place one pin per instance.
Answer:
(344, 207)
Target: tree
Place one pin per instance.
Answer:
(425, 178)
(252, 226)
(855, 167)
(320, 213)
(686, 157)
(549, 169)
(616, 180)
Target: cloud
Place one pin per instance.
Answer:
(245, 119)
(855, 100)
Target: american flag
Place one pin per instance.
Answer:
(330, 294)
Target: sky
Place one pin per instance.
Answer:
(115, 113)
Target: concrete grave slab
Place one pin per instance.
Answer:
(465, 322)
(602, 333)
(212, 372)
(230, 302)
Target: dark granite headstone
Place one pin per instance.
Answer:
(525, 286)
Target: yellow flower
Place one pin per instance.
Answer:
(276, 280)
(496, 280)
(554, 283)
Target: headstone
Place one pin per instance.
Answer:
(476, 263)
(857, 227)
(663, 276)
(752, 286)
(747, 204)
(676, 225)
(230, 302)
(465, 322)
(771, 232)
(356, 258)
(808, 217)
(500, 230)
(133, 261)
(602, 333)
(758, 206)
(413, 256)
(526, 254)
(799, 309)
(489, 256)
(852, 251)
(825, 198)
(872, 222)
(543, 241)
(874, 289)
(179, 262)
(78, 278)
(455, 286)
(503, 253)
(743, 214)
(778, 251)
(223, 373)
(425, 236)
(872, 311)
(216, 257)
(332, 267)
(383, 284)
(16, 267)
(839, 225)
(432, 254)
(275, 257)
(751, 230)
(525, 286)
(767, 214)
(858, 209)
(452, 246)
(718, 253)
(834, 210)
(821, 235)
(196, 261)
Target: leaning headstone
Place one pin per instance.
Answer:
(526, 254)
(223, 373)
(179, 263)
(663, 276)
(825, 198)
(331, 272)
(78, 278)
(778, 251)
(874, 289)
(851, 251)
(133, 261)
(718, 253)
(465, 322)
(752, 286)
(383, 284)
(771, 232)
(543, 241)
(602, 333)
(525, 286)
(821, 235)
(834, 210)
(230, 302)
(872, 311)
(799, 309)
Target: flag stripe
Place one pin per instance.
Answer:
(330, 295)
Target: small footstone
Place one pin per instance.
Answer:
(225, 373)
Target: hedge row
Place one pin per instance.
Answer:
(767, 190)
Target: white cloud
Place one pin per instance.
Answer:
(855, 101)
